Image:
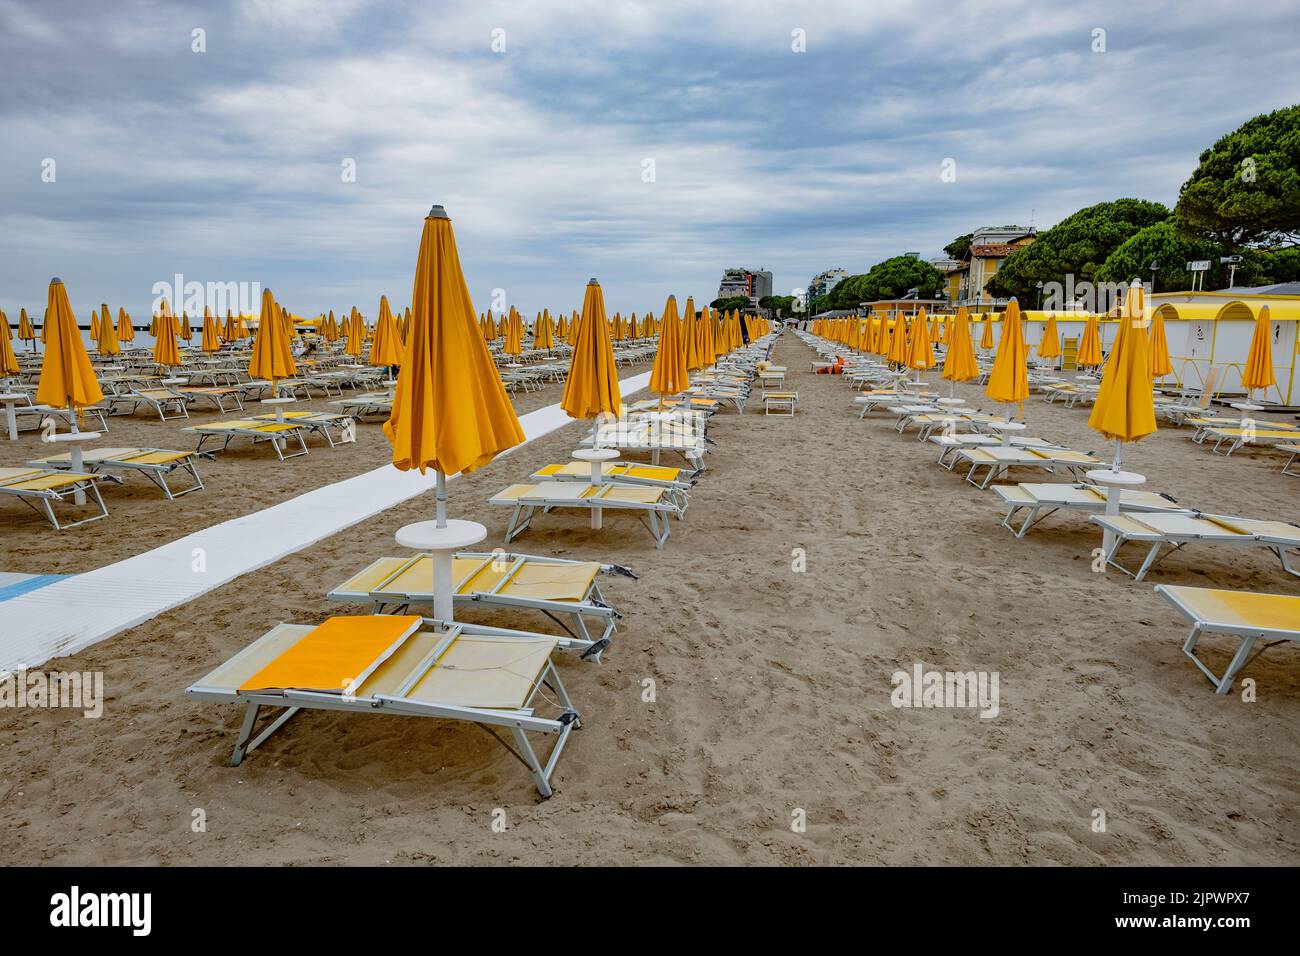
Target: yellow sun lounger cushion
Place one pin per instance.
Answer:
(47, 482)
(10, 475)
(579, 469)
(1241, 608)
(337, 656)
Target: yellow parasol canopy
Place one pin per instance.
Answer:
(920, 355)
(356, 334)
(271, 358)
(67, 378)
(165, 351)
(386, 348)
(107, 343)
(94, 325)
(898, 344)
(959, 364)
(8, 361)
(592, 386)
(125, 330)
(25, 331)
(1125, 407)
(1009, 380)
(210, 340)
(669, 375)
(1089, 349)
(187, 331)
(514, 329)
(1049, 347)
(986, 337)
(1258, 372)
(450, 411)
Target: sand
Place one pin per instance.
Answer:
(772, 688)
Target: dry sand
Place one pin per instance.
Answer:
(772, 686)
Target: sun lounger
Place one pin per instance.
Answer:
(254, 430)
(559, 588)
(667, 434)
(998, 459)
(161, 400)
(318, 423)
(1294, 452)
(1251, 617)
(154, 463)
(218, 395)
(652, 505)
(1174, 531)
(780, 403)
(40, 488)
(95, 415)
(406, 666)
(1038, 501)
(1237, 436)
(366, 405)
(676, 480)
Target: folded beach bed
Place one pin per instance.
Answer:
(218, 395)
(1252, 617)
(652, 505)
(997, 459)
(154, 463)
(1038, 500)
(40, 488)
(780, 403)
(254, 430)
(559, 588)
(401, 665)
(1237, 436)
(655, 437)
(1174, 531)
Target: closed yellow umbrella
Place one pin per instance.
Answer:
(898, 344)
(1089, 351)
(691, 339)
(616, 327)
(107, 344)
(959, 363)
(1125, 407)
(26, 332)
(1258, 372)
(920, 355)
(1049, 347)
(1159, 345)
(210, 341)
(561, 327)
(272, 358)
(8, 361)
(575, 326)
(544, 334)
(986, 337)
(165, 351)
(669, 375)
(450, 410)
(67, 378)
(187, 332)
(1009, 379)
(94, 326)
(591, 388)
(514, 340)
(125, 330)
(356, 334)
(386, 349)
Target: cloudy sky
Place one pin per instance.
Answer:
(649, 144)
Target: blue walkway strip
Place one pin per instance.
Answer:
(31, 584)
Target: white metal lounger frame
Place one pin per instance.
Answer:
(230, 434)
(653, 516)
(160, 403)
(519, 722)
(157, 473)
(998, 468)
(1243, 656)
(1036, 513)
(1159, 540)
(47, 498)
(593, 604)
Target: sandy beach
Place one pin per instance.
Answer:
(771, 686)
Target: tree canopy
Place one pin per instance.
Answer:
(1164, 244)
(778, 305)
(959, 246)
(1077, 245)
(1246, 190)
(731, 302)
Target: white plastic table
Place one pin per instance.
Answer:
(77, 461)
(596, 456)
(11, 400)
(442, 544)
(278, 405)
(1114, 482)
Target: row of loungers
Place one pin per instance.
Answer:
(1144, 518)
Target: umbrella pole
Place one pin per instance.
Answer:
(442, 558)
(440, 499)
(1118, 449)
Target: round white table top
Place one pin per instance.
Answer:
(1107, 476)
(1007, 426)
(596, 454)
(74, 436)
(427, 536)
(13, 396)
(277, 401)
(1247, 407)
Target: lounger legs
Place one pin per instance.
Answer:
(1239, 660)
(242, 746)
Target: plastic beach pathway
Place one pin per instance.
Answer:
(69, 615)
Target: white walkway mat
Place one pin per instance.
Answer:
(67, 616)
